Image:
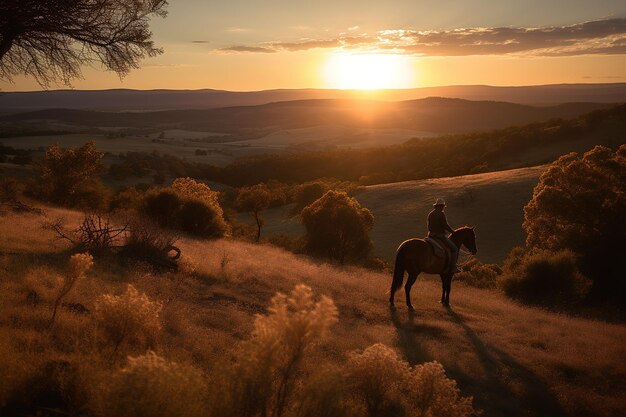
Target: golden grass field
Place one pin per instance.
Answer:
(493, 202)
(515, 360)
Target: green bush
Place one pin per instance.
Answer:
(544, 277)
(337, 227)
(579, 205)
(187, 205)
(199, 218)
(163, 206)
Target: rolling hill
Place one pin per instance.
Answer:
(440, 115)
(493, 202)
(146, 100)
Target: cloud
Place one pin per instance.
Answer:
(237, 29)
(244, 48)
(604, 77)
(594, 37)
(199, 41)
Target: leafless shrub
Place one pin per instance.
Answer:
(97, 233)
(135, 238)
(149, 243)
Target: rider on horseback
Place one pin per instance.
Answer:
(437, 228)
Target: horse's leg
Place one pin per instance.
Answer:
(446, 281)
(443, 288)
(407, 288)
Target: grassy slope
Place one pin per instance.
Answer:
(493, 202)
(513, 359)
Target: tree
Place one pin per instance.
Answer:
(51, 39)
(70, 176)
(254, 199)
(337, 227)
(580, 205)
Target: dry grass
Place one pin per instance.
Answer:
(514, 360)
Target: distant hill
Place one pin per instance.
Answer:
(150, 100)
(440, 115)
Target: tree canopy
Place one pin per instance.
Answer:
(580, 205)
(254, 199)
(51, 39)
(337, 227)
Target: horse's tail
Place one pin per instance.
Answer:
(398, 272)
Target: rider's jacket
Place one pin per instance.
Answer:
(438, 224)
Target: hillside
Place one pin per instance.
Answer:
(513, 359)
(451, 155)
(438, 115)
(144, 100)
(493, 202)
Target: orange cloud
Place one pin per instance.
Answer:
(594, 37)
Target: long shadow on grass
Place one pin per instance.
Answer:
(494, 395)
(408, 331)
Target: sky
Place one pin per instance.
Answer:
(256, 45)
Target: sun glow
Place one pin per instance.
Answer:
(368, 71)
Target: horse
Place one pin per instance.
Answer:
(416, 256)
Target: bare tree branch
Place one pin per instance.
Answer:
(50, 39)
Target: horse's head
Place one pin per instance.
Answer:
(467, 236)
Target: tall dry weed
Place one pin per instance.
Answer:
(131, 318)
(382, 384)
(151, 386)
(79, 264)
(263, 377)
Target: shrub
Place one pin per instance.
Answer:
(305, 194)
(189, 206)
(544, 277)
(163, 206)
(150, 386)
(197, 217)
(337, 227)
(377, 377)
(262, 379)
(96, 234)
(381, 384)
(580, 205)
(147, 242)
(127, 199)
(70, 177)
(131, 318)
(478, 274)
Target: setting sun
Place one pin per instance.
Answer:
(368, 71)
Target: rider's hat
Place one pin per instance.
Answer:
(439, 202)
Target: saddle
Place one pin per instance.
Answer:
(439, 249)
